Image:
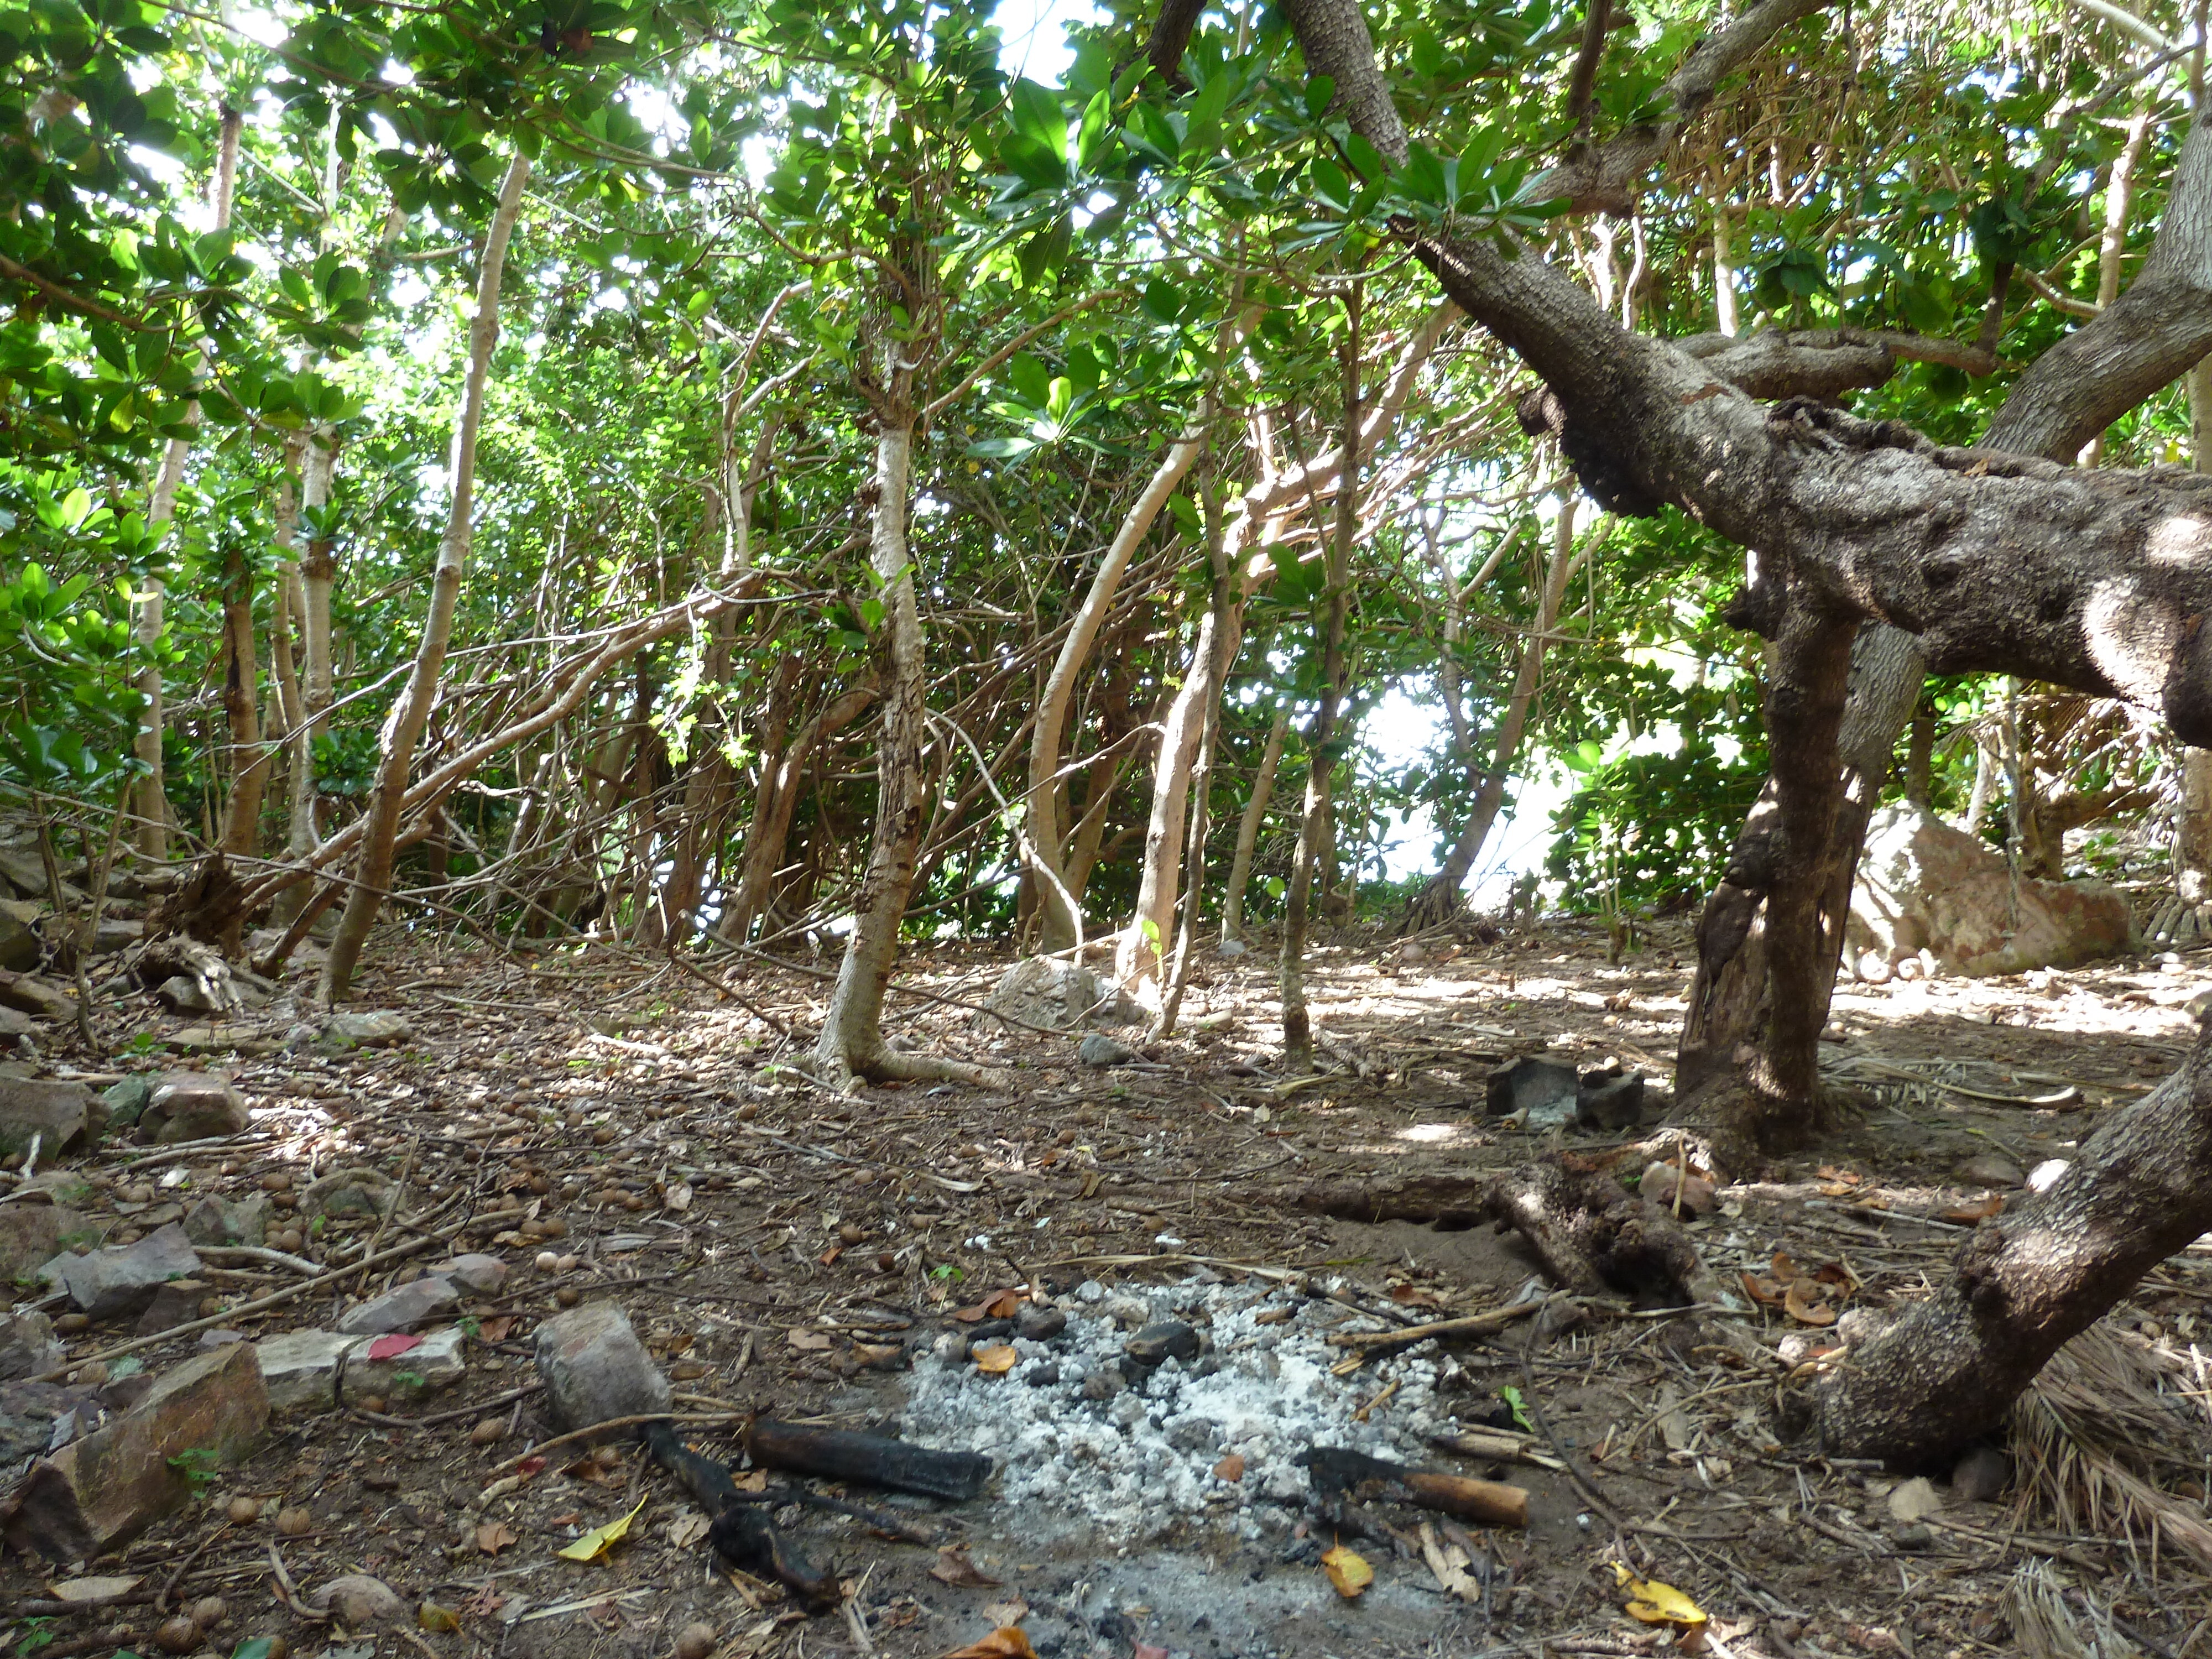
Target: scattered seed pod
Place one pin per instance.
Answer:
(276, 1180)
(568, 1264)
(177, 1635)
(70, 1323)
(567, 1295)
(552, 1226)
(294, 1521)
(547, 1262)
(210, 1306)
(93, 1373)
(371, 1402)
(604, 1135)
(851, 1232)
(694, 1641)
(885, 1261)
(487, 1430)
(278, 1647)
(209, 1611)
(540, 1182)
(245, 1511)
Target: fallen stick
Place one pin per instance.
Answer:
(1334, 1469)
(869, 1458)
(1503, 1448)
(741, 1533)
(1471, 1325)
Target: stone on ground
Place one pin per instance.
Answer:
(104, 1490)
(401, 1307)
(28, 1345)
(1609, 1100)
(19, 944)
(1530, 1084)
(478, 1274)
(125, 1100)
(123, 1278)
(376, 1030)
(1061, 996)
(65, 1116)
(31, 1234)
(192, 1106)
(1925, 885)
(1991, 1169)
(177, 1302)
(365, 1193)
(37, 997)
(180, 993)
(216, 1220)
(359, 1601)
(302, 1367)
(595, 1369)
(1100, 1052)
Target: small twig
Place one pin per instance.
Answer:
(169, 1587)
(574, 1435)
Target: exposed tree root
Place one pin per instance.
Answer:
(888, 1065)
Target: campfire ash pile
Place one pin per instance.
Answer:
(1139, 1411)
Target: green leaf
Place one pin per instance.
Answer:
(1319, 90)
(1097, 125)
(1162, 301)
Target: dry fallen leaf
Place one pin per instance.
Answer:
(1763, 1290)
(1967, 1214)
(677, 1197)
(442, 1621)
(1449, 1563)
(596, 1542)
(1347, 1572)
(1231, 1467)
(1005, 1304)
(1784, 1268)
(1651, 1602)
(809, 1341)
(1006, 1641)
(1805, 1312)
(1002, 1613)
(689, 1530)
(493, 1536)
(954, 1568)
(996, 1360)
(94, 1590)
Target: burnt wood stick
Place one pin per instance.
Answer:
(870, 1459)
(741, 1533)
(1335, 1469)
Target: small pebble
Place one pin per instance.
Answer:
(1040, 1324)
(70, 1323)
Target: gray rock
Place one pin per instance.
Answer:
(299, 1368)
(32, 1417)
(1127, 1311)
(213, 1219)
(122, 1279)
(1063, 995)
(1981, 1476)
(1991, 1169)
(1039, 1321)
(365, 1193)
(1042, 1375)
(112, 934)
(594, 1368)
(65, 1116)
(126, 1100)
(36, 997)
(1609, 1100)
(376, 1030)
(1232, 947)
(19, 948)
(1528, 1084)
(479, 1275)
(1103, 1384)
(24, 869)
(177, 1302)
(31, 1234)
(1101, 1052)
(180, 993)
(192, 1106)
(1914, 1537)
(1169, 1339)
(403, 1308)
(28, 1345)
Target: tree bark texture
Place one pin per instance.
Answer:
(410, 713)
(1248, 827)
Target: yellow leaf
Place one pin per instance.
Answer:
(1651, 1602)
(593, 1544)
(1007, 1641)
(1347, 1572)
(998, 1360)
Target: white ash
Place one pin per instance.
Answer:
(1139, 1464)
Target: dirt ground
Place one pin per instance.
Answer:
(787, 1251)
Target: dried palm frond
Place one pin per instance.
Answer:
(2045, 1627)
(2093, 1433)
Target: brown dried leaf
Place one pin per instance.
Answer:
(997, 1359)
(677, 1197)
(1231, 1467)
(493, 1536)
(687, 1530)
(1764, 1292)
(954, 1568)
(1004, 1304)
(809, 1341)
(1805, 1312)
(1967, 1214)
(1784, 1268)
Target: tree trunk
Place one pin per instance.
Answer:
(1923, 1378)
(776, 802)
(410, 713)
(851, 1047)
(241, 707)
(1047, 838)
(1439, 899)
(1920, 758)
(1221, 601)
(1247, 829)
(1321, 737)
(148, 604)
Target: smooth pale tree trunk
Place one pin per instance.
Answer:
(241, 704)
(316, 578)
(1221, 601)
(410, 713)
(851, 1047)
(1248, 828)
(1439, 899)
(1138, 957)
(149, 603)
(1321, 737)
